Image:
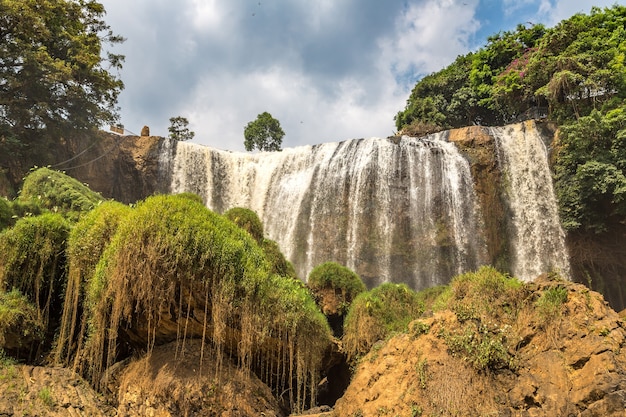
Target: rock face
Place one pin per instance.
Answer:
(127, 168)
(573, 366)
(39, 391)
(124, 168)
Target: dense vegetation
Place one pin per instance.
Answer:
(574, 74)
(86, 282)
(55, 74)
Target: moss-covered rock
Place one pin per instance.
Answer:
(248, 220)
(378, 313)
(56, 191)
(21, 328)
(175, 270)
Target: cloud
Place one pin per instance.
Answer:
(327, 70)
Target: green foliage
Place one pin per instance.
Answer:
(465, 92)
(191, 196)
(56, 191)
(87, 241)
(278, 263)
(483, 346)
(344, 282)
(264, 134)
(481, 300)
(32, 260)
(55, 72)
(485, 293)
(376, 314)
(178, 129)
(248, 220)
(589, 171)
(45, 395)
(172, 245)
(6, 213)
(572, 68)
(550, 302)
(20, 324)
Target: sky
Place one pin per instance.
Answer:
(327, 70)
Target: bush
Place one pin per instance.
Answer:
(247, 220)
(482, 301)
(6, 213)
(32, 259)
(343, 283)
(278, 263)
(169, 246)
(376, 314)
(484, 293)
(87, 241)
(20, 325)
(550, 302)
(55, 191)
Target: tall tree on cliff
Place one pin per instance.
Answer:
(54, 74)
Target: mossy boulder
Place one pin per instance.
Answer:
(32, 259)
(378, 313)
(175, 270)
(57, 191)
(21, 327)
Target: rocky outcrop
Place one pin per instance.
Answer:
(124, 168)
(40, 391)
(573, 365)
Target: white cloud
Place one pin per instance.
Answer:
(326, 70)
(429, 35)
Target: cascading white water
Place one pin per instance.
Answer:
(537, 238)
(401, 212)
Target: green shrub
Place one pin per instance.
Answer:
(344, 284)
(376, 314)
(6, 213)
(278, 263)
(170, 245)
(550, 302)
(20, 325)
(32, 259)
(247, 220)
(87, 241)
(56, 191)
(484, 293)
(484, 347)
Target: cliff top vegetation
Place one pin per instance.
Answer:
(573, 74)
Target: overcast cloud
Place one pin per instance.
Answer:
(328, 70)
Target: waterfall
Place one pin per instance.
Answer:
(399, 211)
(537, 238)
(393, 210)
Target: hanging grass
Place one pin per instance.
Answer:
(376, 314)
(174, 261)
(56, 191)
(87, 241)
(32, 259)
(6, 213)
(20, 326)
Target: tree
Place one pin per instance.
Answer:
(178, 129)
(264, 133)
(54, 73)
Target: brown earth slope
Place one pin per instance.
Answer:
(573, 364)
